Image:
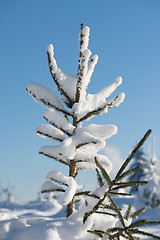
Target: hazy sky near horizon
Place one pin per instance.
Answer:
(126, 37)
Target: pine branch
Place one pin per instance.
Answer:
(82, 193)
(38, 132)
(85, 143)
(128, 184)
(57, 181)
(108, 207)
(53, 124)
(93, 196)
(55, 158)
(47, 103)
(55, 78)
(129, 172)
(130, 237)
(99, 178)
(138, 223)
(117, 210)
(54, 190)
(94, 209)
(132, 154)
(104, 173)
(109, 104)
(135, 214)
(128, 211)
(80, 68)
(143, 233)
(122, 194)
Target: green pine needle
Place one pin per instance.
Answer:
(99, 178)
(130, 171)
(103, 171)
(125, 164)
(128, 211)
(135, 214)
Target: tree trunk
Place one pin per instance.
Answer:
(72, 173)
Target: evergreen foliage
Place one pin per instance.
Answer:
(78, 146)
(139, 160)
(150, 194)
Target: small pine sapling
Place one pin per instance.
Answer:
(126, 225)
(78, 145)
(149, 195)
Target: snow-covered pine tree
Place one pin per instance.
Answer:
(139, 159)
(150, 194)
(78, 149)
(78, 145)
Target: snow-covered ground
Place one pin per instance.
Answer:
(45, 220)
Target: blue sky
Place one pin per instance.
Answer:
(125, 35)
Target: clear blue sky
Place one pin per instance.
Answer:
(125, 35)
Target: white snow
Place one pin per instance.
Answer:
(102, 131)
(85, 161)
(71, 184)
(80, 144)
(98, 101)
(67, 149)
(46, 221)
(50, 187)
(44, 96)
(58, 120)
(49, 131)
(65, 81)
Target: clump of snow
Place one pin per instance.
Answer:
(58, 120)
(68, 148)
(71, 184)
(64, 81)
(44, 96)
(51, 132)
(98, 101)
(53, 64)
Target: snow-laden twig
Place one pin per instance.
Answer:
(66, 84)
(45, 97)
(51, 132)
(58, 177)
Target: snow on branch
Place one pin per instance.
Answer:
(101, 131)
(49, 186)
(116, 101)
(91, 66)
(59, 121)
(47, 153)
(96, 103)
(45, 97)
(86, 161)
(58, 177)
(85, 69)
(97, 100)
(51, 132)
(66, 84)
(67, 149)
